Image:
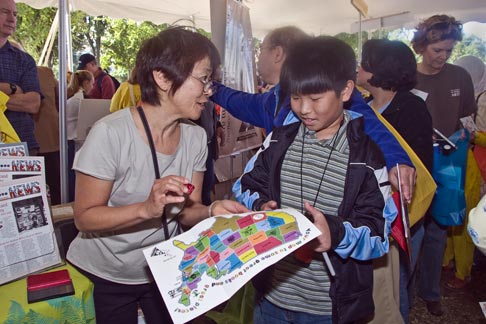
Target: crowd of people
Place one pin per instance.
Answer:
(327, 154)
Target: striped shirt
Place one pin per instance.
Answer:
(294, 286)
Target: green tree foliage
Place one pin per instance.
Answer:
(32, 29)
(115, 42)
(353, 39)
(89, 32)
(470, 45)
(120, 49)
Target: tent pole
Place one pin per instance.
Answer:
(360, 38)
(44, 58)
(62, 100)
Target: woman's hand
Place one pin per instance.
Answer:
(166, 190)
(223, 207)
(322, 243)
(407, 179)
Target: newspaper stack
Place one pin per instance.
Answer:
(27, 240)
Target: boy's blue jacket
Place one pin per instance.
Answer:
(359, 232)
(261, 110)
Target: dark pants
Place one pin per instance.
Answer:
(53, 177)
(118, 303)
(430, 262)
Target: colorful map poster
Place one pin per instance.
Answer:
(205, 266)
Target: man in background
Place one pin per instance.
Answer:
(104, 86)
(18, 79)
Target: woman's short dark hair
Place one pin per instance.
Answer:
(173, 52)
(392, 64)
(317, 65)
(435, 29)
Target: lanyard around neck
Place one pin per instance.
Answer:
(155, 161)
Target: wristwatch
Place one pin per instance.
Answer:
(13, 88)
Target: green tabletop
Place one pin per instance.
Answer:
(78, 308)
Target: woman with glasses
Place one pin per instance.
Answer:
(134, 176)
(449, 94)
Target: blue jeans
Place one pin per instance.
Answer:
(430, 263)
(408, 271)
(265, 312)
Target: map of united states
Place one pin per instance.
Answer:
(230, 243)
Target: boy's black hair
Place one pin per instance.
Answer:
(392, 63)
(173, 52)
(317, 65)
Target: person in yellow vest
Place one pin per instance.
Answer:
(127, 95)
(7, 133)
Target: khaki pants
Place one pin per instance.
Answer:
(386, 287)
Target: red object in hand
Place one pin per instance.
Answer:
(190, 188)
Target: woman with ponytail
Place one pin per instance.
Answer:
(80, 84)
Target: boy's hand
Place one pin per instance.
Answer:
(224, 207)
(322, 243)
(270, 205)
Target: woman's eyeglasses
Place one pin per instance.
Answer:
(208, 86)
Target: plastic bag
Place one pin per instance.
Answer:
(449, 204)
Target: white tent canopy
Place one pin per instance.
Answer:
(314, 16)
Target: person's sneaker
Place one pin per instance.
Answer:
(434, 308)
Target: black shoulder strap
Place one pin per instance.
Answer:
(150, 140)
(479, 95)
(99, 80)
(155, 161)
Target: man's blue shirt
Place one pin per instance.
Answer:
(19, 67)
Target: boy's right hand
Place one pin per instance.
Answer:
(322, 243)
(269, 205)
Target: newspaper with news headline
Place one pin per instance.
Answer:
(27, 240)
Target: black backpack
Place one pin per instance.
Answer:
(100, 79)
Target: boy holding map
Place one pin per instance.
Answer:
(328, 168)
